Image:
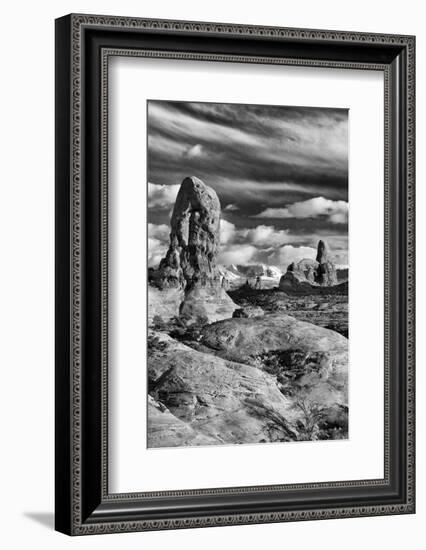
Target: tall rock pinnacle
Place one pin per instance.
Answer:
(194, 239)
(326, 271)
(189, 266)
(322, 252)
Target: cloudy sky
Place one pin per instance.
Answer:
(281, 174)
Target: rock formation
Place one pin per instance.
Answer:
(190, 262)
(326, 272)
(200, 399)
(194, 238)
(256, 384)
(247, 338)
(295, 281)
(305, 274)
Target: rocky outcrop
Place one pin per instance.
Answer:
(190, 264)
(245, 338)
(194, 239)
(295, 281)
(208, 304)
(200, 399)
(326, 271)
(263, 379)
(310, 363)
(309, 268)
(166, 430)
(164, 303)
(302, 276)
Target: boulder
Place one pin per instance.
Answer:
(244, 339)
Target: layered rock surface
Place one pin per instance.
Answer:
(253, 380)
(310, 363)
(213, 400)
(245, 338)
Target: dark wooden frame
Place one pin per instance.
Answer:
(83, 46)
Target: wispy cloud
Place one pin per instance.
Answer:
(282, 172)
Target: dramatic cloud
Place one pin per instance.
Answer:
(262, 244)
(336, 211)
(280, 172)
(162, 196)
(223, 144)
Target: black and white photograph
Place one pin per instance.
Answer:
(248, 273)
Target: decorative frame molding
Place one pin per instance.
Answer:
(83, 504)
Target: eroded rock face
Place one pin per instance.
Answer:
(190, 263)
(200, 399)
(164, 303)
(166, 430)
(245, 338)
(309, 268)
(252, 380)
(310, 363)
(194, 239)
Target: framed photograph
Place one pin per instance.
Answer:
(234, 274)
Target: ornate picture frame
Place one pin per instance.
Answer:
(84, 45)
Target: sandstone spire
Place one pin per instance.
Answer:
(326, 271)
(194, 239)
(322, 252)
(189, 267)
